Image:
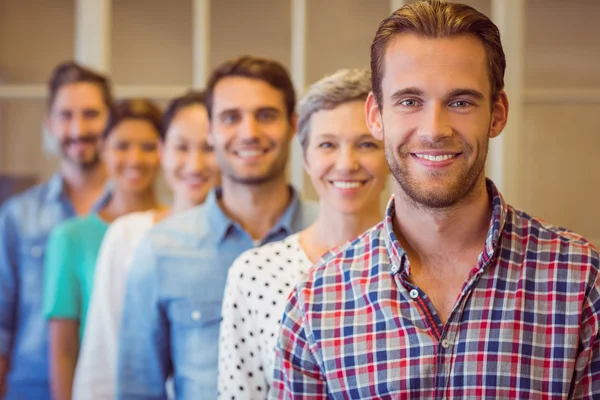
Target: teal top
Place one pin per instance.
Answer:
(70, 262)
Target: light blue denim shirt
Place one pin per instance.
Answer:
(25, 223)
(172, 310)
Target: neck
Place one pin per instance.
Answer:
(181, 204)
(122, 203)
(83, 187)
(428, 234)
(255, 207)
(83, 180)
(333, 228)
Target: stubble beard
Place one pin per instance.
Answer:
(456, 189)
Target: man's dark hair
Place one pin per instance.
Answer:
(264, 69)
(71, 72)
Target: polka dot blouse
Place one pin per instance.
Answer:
(258, 285)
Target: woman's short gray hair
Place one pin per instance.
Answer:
(341, 87)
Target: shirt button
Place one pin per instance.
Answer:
(445, 343)
(395, 269)
(414, 293)
(35, 251)
(196, 315)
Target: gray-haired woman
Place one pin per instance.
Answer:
(348, 169)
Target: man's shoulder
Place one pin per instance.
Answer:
(542, 237)
(28, 201)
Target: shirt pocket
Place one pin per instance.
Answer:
(31, 271)
(195, 336)
(194, 314)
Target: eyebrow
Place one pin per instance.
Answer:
(413, 91)
(466, 92)
(410, 91)
(255, 110)
(328, 135)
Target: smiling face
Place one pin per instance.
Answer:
(131, 155)
(437, 116)
(345, 163)
(188, 161)
(77, 117)
(250, 130)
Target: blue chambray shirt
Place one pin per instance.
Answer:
(25, 223)
(172, 311)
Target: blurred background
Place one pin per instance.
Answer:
(545, 162)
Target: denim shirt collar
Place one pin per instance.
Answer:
(57, 192)
(222, 225)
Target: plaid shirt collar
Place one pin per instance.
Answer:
(398, 256)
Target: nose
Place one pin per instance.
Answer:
(195, 162)
(435, 124)
(135, 155)
(77, 125)
(347, 160)
(249, 128)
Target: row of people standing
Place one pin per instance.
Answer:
(454, 294)
(129, 305)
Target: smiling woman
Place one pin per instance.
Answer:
(348, 169)
(130, 154)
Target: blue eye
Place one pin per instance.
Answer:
(460, 104)
(266, 116)
(326, 145)
(409, 103)
(230, 118)
(368, 145)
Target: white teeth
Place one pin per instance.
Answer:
(347, 184)
(249, 153)
(133, 174)
(429, 157)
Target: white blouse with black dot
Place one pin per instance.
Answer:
(258, 286)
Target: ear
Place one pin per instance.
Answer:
(499, 115)
(373, 115)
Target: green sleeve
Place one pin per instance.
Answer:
(62, 296)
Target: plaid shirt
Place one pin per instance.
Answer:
(525, 325)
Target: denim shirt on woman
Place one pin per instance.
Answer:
(25, 223)
(172, 310)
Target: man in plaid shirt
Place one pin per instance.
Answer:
(455, 294)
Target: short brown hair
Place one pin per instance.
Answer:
(138, 109)
(437, 19)
(72, 72)
(264, 69)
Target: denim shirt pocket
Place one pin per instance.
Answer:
(31, 272)
(195, 335)
(193, 314)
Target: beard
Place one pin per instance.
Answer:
(270, 173)
(83, 164)
(453, 187)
